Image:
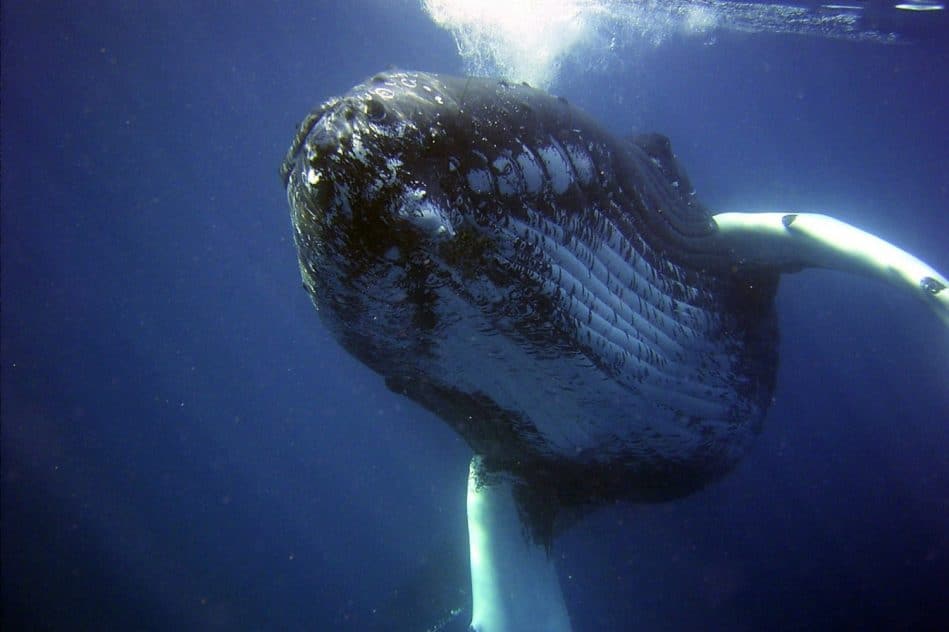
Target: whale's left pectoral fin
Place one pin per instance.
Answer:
(791, 241)
(514, 584)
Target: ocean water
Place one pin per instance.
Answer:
(185, 447)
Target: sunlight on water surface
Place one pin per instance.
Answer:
(530, 40)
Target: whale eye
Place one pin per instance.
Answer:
(375, 111)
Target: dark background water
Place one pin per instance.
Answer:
(184, 447)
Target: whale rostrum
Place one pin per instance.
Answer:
(557, 295)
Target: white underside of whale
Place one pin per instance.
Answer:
(514, 584)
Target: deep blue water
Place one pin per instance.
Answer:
(184, 447)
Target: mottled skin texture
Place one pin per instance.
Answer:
(552, 292)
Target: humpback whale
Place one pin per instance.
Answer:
(557, 295)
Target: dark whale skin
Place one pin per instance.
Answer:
(549, 290)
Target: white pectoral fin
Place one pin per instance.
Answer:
(795, 240)
(514, 584)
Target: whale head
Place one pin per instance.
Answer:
(539, 284)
